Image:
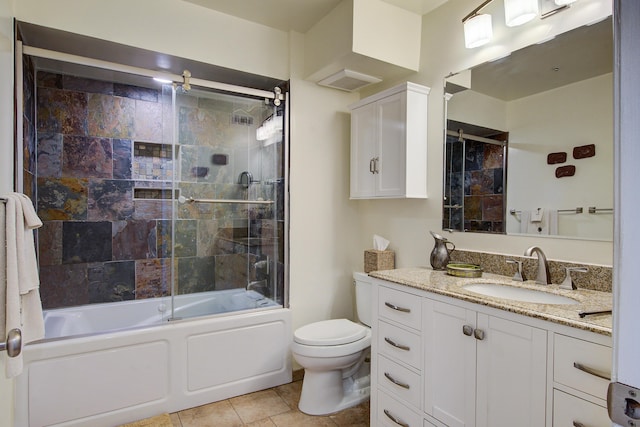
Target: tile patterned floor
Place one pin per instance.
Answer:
(275, 407)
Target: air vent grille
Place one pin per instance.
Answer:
(348, 80)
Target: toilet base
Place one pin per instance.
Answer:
(327, 392)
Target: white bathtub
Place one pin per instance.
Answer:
(99, 378)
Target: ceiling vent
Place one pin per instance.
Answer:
(348, 80)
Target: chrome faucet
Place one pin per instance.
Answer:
(542, 276)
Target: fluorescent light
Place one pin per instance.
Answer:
(162, 80)
(477, 30)
(518, 12)
(564, 2)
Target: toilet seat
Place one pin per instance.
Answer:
(330, 332)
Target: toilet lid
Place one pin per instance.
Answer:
(330, 332)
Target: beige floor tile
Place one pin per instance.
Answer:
(256, 406)
(290, 393)
(175, 419)
(358, 416)
(297, 419)
(262, 423)
(218, 414)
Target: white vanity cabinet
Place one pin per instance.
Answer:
(389, 144)
(482, 370)
(443, 362)
(396, 367)
(581, 375)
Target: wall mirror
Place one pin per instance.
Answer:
(529, 140)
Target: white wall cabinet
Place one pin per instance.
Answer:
(389, 144)
(439, 361)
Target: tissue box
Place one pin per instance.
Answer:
(378, 260)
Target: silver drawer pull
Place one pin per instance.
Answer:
(396, 345)
(396, 382)
(395, 307)
(594, 372)
(577, 424)
(395, 419)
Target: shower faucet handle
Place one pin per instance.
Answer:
(519, 275)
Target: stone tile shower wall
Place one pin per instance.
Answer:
(480, 188)
(104, 175)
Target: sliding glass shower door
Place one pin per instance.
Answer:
(227, 232)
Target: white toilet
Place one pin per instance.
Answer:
(335, 357)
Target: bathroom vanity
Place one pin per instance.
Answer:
(445, 356)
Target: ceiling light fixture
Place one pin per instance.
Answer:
(563, 2)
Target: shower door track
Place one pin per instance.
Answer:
(113, 66)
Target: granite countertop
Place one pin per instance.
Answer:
(441, 283)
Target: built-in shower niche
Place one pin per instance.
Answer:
(153, 161)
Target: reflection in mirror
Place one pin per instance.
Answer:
(475, 168)
(549, 109)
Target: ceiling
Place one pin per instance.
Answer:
(577, 55)
(297, 15)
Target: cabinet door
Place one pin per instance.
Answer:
(363, 150)
(512, 366)
(391, 158)
(450, 363)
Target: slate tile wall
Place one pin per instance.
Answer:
(101, 243)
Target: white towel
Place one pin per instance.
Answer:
(23, 309)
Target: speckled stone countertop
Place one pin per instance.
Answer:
(567, 314)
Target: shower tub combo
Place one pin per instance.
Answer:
(98, 378)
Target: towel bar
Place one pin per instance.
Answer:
(577, 210)
(13, 345)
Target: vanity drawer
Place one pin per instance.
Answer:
(400, 381)
(570, 411)
(573, 359)
(399, 344)
(392, 413)
(401, 307)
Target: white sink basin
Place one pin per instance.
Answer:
(517, 294)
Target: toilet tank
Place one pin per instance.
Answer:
(363, 297)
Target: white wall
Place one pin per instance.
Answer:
(407, 222)
(570, 118)
(174, 27)
(322, 221)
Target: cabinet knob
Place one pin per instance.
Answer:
(467, 330)
(478, 334)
